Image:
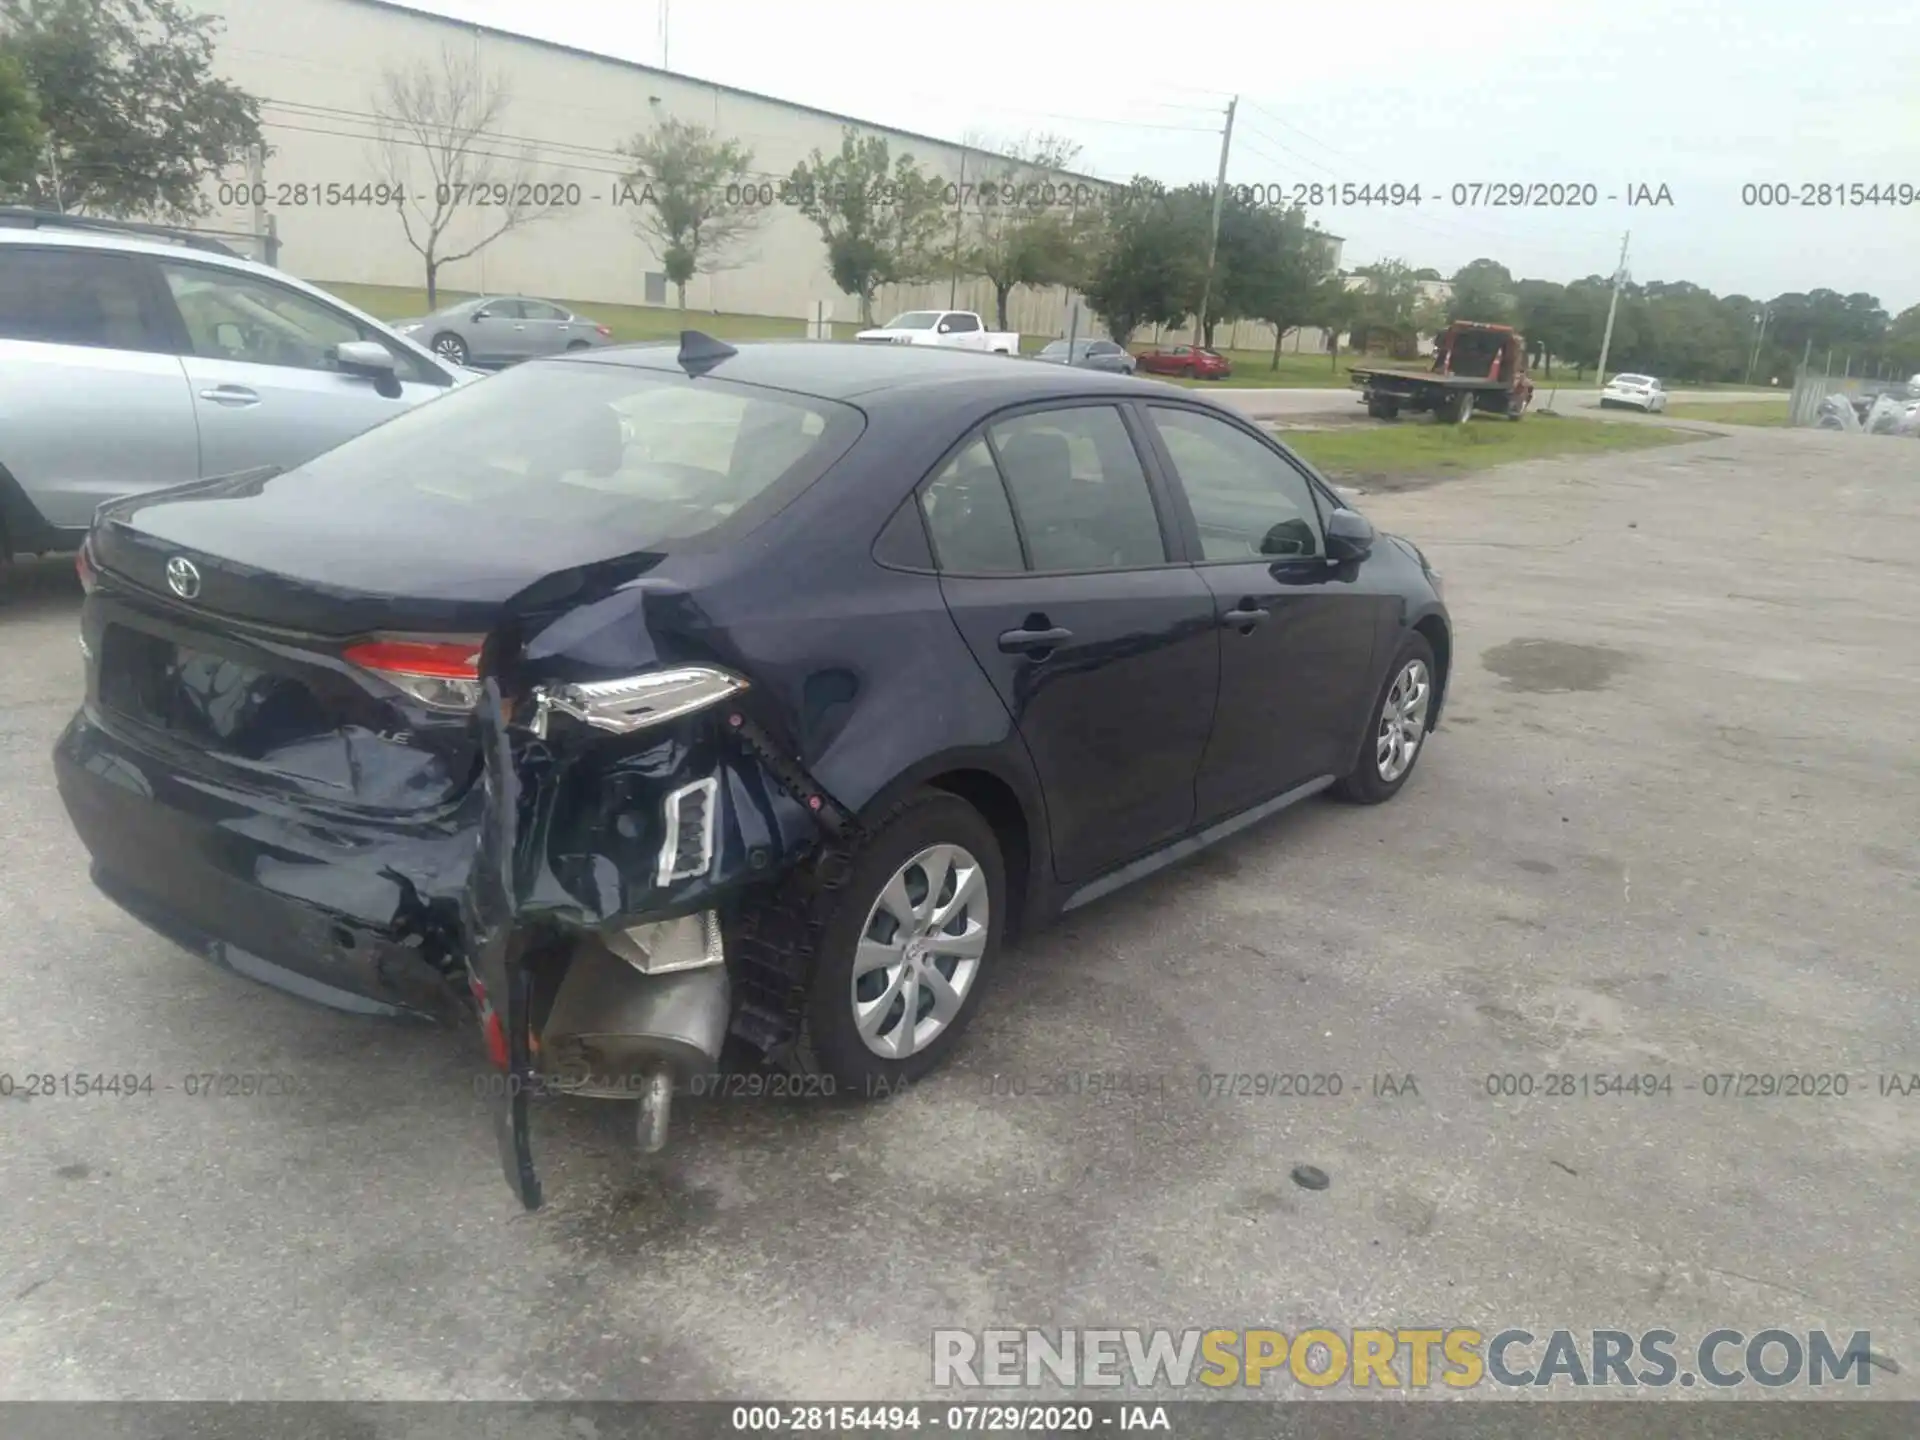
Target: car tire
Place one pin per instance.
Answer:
(450, 348)
(919, 851)
(573, 345)
(1374, 779)
(1189, 373)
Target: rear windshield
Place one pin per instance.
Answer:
(640, 456)
(1631, 380)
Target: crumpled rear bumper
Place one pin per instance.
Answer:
(355, 914)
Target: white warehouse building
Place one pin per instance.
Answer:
(317, 67)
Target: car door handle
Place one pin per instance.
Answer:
(1015, 642)
(235, 395)
(1245, 617)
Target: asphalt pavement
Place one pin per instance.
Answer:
(1666, 828)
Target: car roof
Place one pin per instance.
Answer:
(125, 241)
(848, 369)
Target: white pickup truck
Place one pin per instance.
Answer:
(955, 329)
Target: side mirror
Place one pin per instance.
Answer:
(1349, 535)
(370, 360)
(945, 328)
(482, 315)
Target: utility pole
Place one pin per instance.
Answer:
(959, 214)
(1766, 312)
(53, 165)
(663, 34)
(1613, 302)
(1213, 234)
(257, 190)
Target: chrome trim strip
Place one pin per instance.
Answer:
(670, 847)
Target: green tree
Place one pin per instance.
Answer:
(697, 200)
(1387, 303)
(1019, 233)
(20, 133)
(1334, 306)
(1903, 340)
(1539, 312)
(1483, 290)
(880, 218)
(1149, 266)
(1273, 277)
(136, 122)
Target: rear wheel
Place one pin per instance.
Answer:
(904, 948)
(1397, 727)
(576, 345)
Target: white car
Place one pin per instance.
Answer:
(955, 329)
(1641, 392)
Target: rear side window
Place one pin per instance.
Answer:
(958, 323)
(648, 456)
(76, 297)
(1078, 489)
(968, 517)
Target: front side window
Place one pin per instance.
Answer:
(1248, 502)
(1079, 490)
(256, 322)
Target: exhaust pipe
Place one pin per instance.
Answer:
(617, 1033)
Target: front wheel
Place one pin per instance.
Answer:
(905, 946)
(1189, 373)
(450, 348)
(1397, 727)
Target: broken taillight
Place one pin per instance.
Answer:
(444, 674)
(604, 331)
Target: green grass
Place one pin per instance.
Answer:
(1739, 412)
(1423, 448)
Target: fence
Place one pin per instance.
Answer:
(1812, 387)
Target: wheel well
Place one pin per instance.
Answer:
(1001, 808)
(1435, 631)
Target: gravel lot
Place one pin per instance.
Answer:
(1669, 826)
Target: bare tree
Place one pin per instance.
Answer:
(442, 156)
(1027, 228)
(697, 198)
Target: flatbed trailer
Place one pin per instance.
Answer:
(1495, 358)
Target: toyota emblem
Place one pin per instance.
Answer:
(182, 578)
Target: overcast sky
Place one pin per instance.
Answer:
(1700, 97)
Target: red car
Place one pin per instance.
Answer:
(1187, 360)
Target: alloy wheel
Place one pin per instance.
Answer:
(919, 951)
(451, 348)
(1403, 720)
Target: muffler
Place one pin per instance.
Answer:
(616, 1032)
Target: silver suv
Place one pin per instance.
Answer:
(133, 358)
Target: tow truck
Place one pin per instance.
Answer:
(1475, 367)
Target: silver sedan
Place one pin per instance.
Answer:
(501, 329)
